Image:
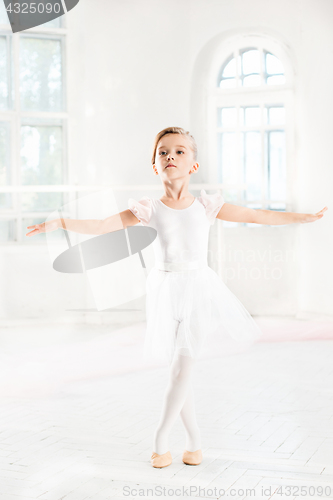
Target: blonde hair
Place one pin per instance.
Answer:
(175, 130)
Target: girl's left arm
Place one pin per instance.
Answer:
(235, 213)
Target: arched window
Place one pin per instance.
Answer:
(251, 124)
(254, 68)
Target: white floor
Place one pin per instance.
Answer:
(78, 410)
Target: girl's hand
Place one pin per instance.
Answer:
(313, 218)
(44, 227)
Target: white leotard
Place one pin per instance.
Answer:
(182, 234)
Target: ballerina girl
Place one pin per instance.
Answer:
(186, 301)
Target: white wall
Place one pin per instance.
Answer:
(131, 72)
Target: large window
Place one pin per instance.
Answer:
(33, 126)
(252, 110)
(251, 149)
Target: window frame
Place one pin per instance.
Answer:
(15, 115)
(262, 95)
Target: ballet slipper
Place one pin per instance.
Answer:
(192, 457)
(161, 460)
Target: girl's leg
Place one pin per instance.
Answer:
(174, 399)
(187, 415)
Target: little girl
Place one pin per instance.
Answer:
(186, 301)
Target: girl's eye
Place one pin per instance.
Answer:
(161, 152)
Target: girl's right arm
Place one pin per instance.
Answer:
(89, 226)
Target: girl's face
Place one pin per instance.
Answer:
(174, 149)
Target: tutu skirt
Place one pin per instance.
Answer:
(194, 311)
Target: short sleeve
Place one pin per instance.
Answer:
(141, 209)
(212, 203)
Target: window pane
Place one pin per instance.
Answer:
(228, 83)
(276, 80)
(241, 117)
(40, 74)
(254, 205)
(228, 117)
(276, 165)
(277, 206)
(252, 165)
(5, 168)
(230, 195)
(227, 156)
(42, 202)
(273, 65)
(251, 61)
(41, 154)
(3, 73)
(3, 14)
(275, 115)
(252, 116)
(54, 23)
(230, 69)
(251, 81)
(7, 230)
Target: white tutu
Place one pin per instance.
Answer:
(188, 306)
(194, 311)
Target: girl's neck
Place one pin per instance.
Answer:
(176, 194)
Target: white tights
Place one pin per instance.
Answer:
(178, 399)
